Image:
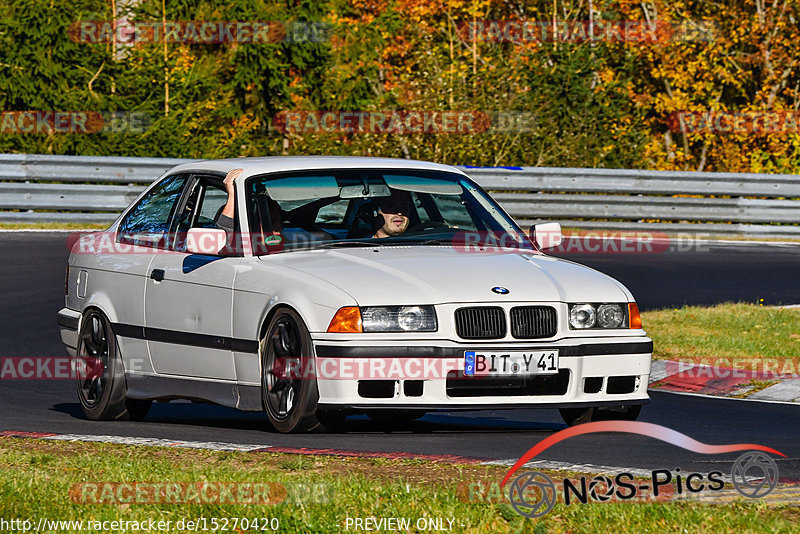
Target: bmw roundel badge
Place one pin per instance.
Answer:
(500, 290)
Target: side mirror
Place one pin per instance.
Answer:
(546, 235)
(208, 241)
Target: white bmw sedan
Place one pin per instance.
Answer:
(342, 285)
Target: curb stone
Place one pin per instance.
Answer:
(703, 379)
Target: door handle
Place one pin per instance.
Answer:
(157, 275)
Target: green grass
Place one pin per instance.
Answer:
(36, 477)
(738, 335)
(53, 226)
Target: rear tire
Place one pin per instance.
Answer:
(579, 416)
(290, 401)
(99, 370)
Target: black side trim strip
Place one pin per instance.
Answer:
(128, 330)
(593, 349)
(185, 338)
(68, 321)
(244, 345)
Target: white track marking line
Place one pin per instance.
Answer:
(158, 442)
(567, 466)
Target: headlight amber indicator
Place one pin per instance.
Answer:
(346, 320)
(633, 313)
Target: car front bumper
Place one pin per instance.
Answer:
(592, 372)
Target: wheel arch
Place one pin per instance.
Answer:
(271, 312)
(101, 303)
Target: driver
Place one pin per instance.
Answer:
(393, 214)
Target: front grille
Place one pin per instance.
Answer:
(529, 322)
(481, 323)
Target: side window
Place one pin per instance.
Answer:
(147, 223)
(213, 199)
(203, 205)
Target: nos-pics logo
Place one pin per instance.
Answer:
(534, 494)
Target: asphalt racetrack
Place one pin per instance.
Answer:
(32, 275)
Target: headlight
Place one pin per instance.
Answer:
(582, 316)
(610, 315)
(399, 319)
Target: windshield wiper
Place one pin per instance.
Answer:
(350, 243)
(429, 241)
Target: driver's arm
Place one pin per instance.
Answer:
(225, 219)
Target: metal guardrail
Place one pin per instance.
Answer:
(88, 189)
(35, 167)
(38, 188)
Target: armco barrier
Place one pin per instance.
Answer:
(39, 188)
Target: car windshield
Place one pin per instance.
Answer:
(372, 207)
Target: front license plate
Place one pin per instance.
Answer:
(541, 362)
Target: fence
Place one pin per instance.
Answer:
(83, 189)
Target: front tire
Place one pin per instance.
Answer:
(288, 384)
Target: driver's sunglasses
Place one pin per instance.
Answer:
(395, 208)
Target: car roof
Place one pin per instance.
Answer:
(261, 165)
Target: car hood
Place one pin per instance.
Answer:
(437, 275)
